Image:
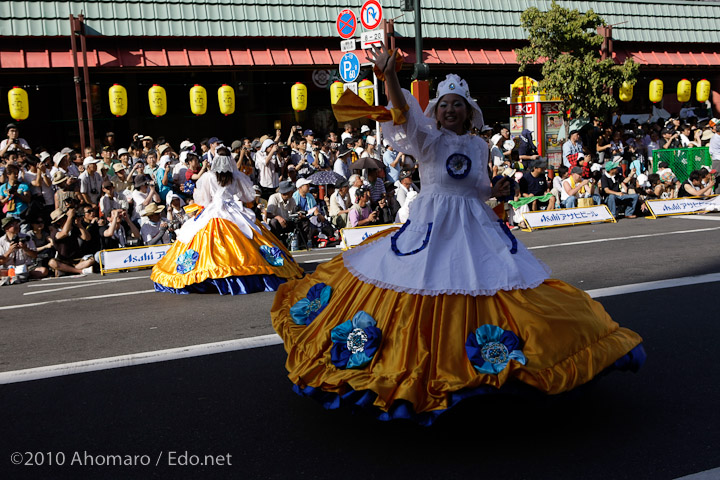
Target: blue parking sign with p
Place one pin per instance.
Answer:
(349, 67)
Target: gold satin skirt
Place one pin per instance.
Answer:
(567, 338)
(224, 251)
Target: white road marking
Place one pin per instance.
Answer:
(655, 285)
(266, 340)
(698, 217)
(63, 300)
(98, 281)
(713, 474)
(138, 359)
(613, 239)
(77, 285)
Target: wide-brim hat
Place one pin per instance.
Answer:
(8, 220)
(707, 135)
(286, 186)
(59, 178)
(57, 158)
(609, 165)
(509, 172)
(117, 167)
(141, 180)
(57, 215)
(458, 86)
(152, 208)
(344, 150)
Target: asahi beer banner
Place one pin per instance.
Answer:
(352, 237)
(678, 206)
(134, 257)
(568, 216)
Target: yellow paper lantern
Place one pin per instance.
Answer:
(158, 100)
(198, 100)
(118, 100)
(684, 90)
(366, 91)
(626, 91)
(226, 99)
(298, 97)
(336, 91)
(656, 90)
(702, 90)
(18, 102)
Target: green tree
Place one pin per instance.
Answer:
(568, 46)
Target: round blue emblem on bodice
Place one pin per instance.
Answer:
(458, 165)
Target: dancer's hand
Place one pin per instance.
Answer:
(382, 58)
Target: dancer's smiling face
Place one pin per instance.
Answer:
(451, 112)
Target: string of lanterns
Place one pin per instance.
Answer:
(157, 97)
(656, 91)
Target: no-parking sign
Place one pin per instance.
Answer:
(346, 23)
(371, 14)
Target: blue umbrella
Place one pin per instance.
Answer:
(325, 177)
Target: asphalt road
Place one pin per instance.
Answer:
(660, 423)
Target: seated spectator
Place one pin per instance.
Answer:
(313, 221)
(90, 182)
(360, 214)
(388, 205)
(66, 232)
(535, 184)
(340, 204)
(110, 200)
(693, 187)
(155, 230)
(708, 176)
(14, 195)
(36, 175)
(115, 232)
(355, 181)
(612, 185)
(574, 188)
(561, 174)
(176, 214)
(43, 244)
(281, 206)
(18, 251)
(65, 197)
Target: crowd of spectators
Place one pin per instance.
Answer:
(61, 208)
(611, 165)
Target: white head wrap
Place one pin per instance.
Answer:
(266, 144)
(222, 163)
(458, 86)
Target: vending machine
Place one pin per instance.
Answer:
(530, 109)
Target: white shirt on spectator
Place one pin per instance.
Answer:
(267, 173)
(108, 204)
(149, 229)
(714, 146)
(90, 184)
(18, 257)
(21, 142)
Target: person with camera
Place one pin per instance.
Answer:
(13, 142)
(360, 214)
(268, 166)
(326, 155)
(67, 232)
(614, 189)
(282, 211)
(114, 233)
(155, 230)
(14, 195)
(36, 176)
(303, 160)
(313, 221)
(90, 182)
(110, 200)
(18, 251)
(143, 195)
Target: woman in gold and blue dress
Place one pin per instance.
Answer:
(224, 249)
(448, 306)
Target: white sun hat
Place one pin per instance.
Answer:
(458, 86)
